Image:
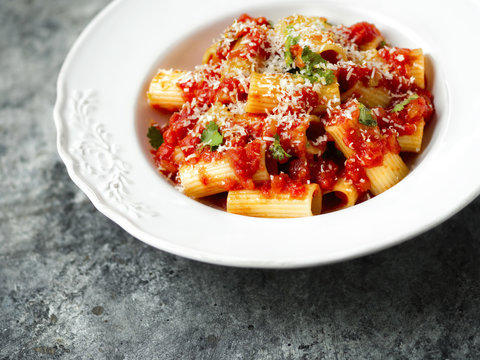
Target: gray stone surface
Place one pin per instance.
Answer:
(73, 285)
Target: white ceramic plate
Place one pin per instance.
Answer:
(100, 118)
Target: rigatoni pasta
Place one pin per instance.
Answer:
(291, 119)
(164, 92)
(275, 205)
(267, 91)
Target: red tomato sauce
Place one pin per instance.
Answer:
(369, 145)
(246, 162)
(349, 75)
(325, 173)
(252, 35)
(405, 121)
(283, 184)
(362, 33)
(355, 172)
(201, 91)
(208, 86)
(398, 60)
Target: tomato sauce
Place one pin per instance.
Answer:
(252, 35)
(283, 184)
(348, 76)
(325, 173)
(398, 60)
(368, 144)
(355, 172)
(208, 85)
(201, 91)
(362, 33)
(405, 121)
(164, 159)
(246, 162)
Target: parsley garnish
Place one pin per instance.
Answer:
(315, 67)
(382, 44)
(211, 136)
(366, 117)
(400, 106)
(289, 42)
(155, 137)
(277, 150)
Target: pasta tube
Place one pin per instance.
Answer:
(413, 142)
(314, 31)
(283, 205)
(345, 192)
(266, 92)
(381, 177)
(164, 93)
(369, 96)
(209, 178)
(417, 69)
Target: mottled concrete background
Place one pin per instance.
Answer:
(73, 285)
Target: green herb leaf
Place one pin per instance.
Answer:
(289, 42)
(315, 67)
(277, 150)
(366, 117)
(312, 58)
(211, 136)
(400, 106)
(155, 137)
(272, 24)
(382, 44)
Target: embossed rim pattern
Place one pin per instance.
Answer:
(94, 116)
(97, 155)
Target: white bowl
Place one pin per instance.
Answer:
(101, 119)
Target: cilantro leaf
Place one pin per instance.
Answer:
(311, 58)
(382, 44)
(315, 67)
(400, 106)
(277, 150)
(289, 42)
(366, 117)
(155, 137)
(211, 136)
